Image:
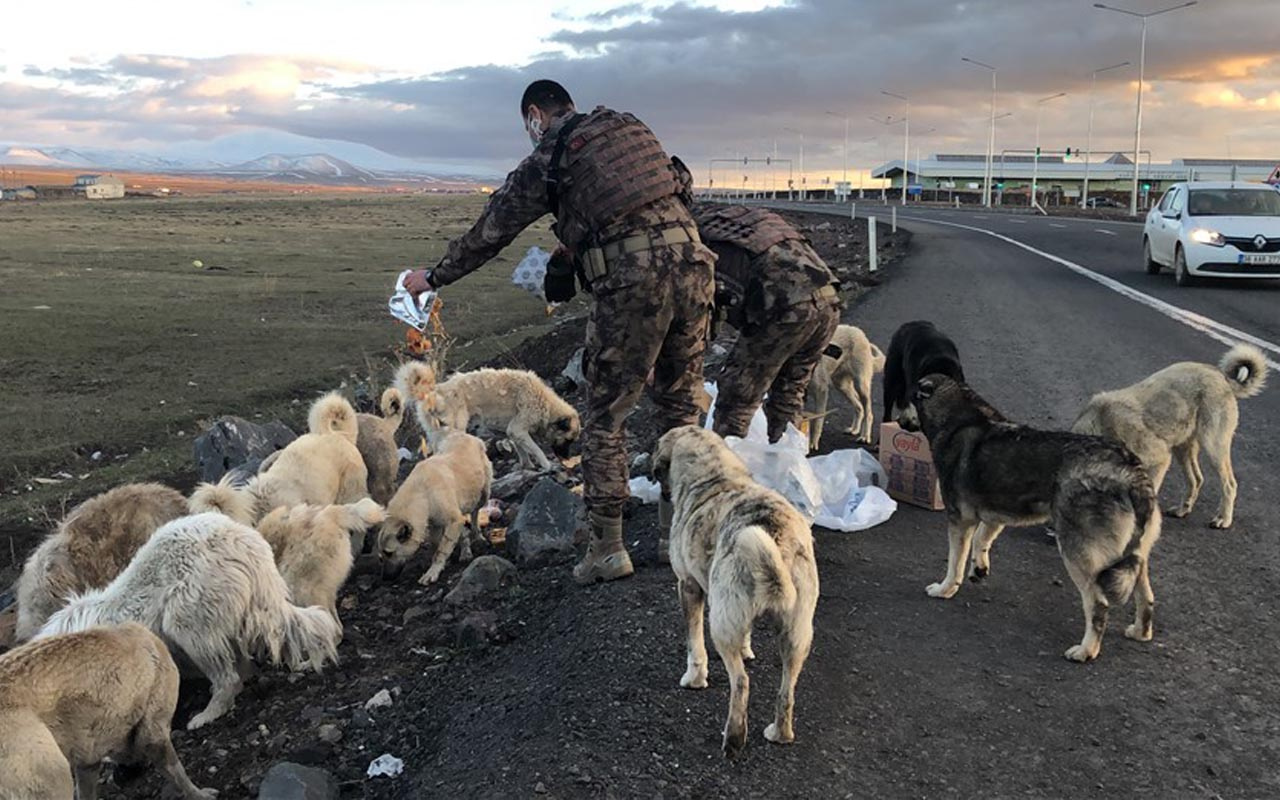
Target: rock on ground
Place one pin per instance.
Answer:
(482, 576)
(235, 443)
(544, 527)
(289, 781)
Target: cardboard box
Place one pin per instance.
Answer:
(906, 459)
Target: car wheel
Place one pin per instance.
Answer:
(1152, 267)
(1180, 274)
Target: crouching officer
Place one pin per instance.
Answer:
(782, 299)
(617, 199)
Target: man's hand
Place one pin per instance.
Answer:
(558, 284)
(419, 281)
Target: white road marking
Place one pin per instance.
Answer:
(1018, 221)
(1210, 327)
(979, 216)
(1104, 230)
(1056, 225)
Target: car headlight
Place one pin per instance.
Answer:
(1206, 236)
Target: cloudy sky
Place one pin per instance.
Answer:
(440, 81)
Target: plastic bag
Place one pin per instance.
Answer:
(414, 312)
(531, 271)
(385, 764)
(644, 490)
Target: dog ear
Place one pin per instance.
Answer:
(565, 424)
(925, 388)
(833, 351)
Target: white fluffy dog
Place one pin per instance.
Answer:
(850, 373)
(511, 400)
(90, 548)
(209, 587)
(377, 444)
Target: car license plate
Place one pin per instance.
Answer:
(1260, 258)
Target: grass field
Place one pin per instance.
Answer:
(111, 341)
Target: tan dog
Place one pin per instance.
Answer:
(321, 467)
(1178, 411)
(68, 702)
(436, 499)
(743, 550)
(90, 548)
(377, 445)
(851, 375)
(510, 400)
(312, 547)
(210, 587)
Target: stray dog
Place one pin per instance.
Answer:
(436, 499)
(90, 548)
(209, 587)
(849, 365)
(377, 445)
(312, 545)
(321, 467)
(1176, 412)
(1093, 491)
(744, 550)
(68, 702)
(916, 350)
(511, 400)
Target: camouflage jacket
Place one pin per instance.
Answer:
(522, 200)
(753, 290)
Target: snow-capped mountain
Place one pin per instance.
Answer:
(303, 169)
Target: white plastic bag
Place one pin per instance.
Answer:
(385, 765)
(531, 271)
(644, 490)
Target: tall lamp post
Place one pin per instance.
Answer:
(1142, 63)
(1088, 142)
(991, 137)
(844, 154)
(801, 135)
(887, 121)
(1035, 161)
(906, 140)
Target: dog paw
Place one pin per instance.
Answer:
(774, 734)
(942, 590)
(1177, 512)
(748, 654)
(978, 573)
(207, 794)
(1137, 634)
(1220, 523)
(734, 742)
(200, 720)
(429, 577)
(1079, 654)
(694, 679)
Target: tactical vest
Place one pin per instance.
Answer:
(752, 229)
(610, 166)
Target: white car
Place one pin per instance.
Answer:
(1216, 230)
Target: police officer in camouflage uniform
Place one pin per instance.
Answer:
(624, 225)
(782, 299)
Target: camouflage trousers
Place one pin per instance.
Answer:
(650, 312)
(779, 358)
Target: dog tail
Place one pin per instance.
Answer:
(1245, 368)
(877, 359)
(362, 515)
(224, 498)
(773, 586)
(392, 405)
(298, 636)
(1118, 579)
(333, 414)
(415, 381)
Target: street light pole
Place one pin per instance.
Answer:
(1035, 160)
(991, 137)
(844, 155)
(801, 134)
(1088, 145)
(1142, 64)
(906, 140)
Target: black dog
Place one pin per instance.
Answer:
(916, 350)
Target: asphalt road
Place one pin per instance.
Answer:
(971, 695)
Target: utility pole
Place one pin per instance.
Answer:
(1088, 142)
(1142, 66)
(1035, 160)
(991, 137)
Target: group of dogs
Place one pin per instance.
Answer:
(247, 568)
(252, 568)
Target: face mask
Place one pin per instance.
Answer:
(534, 126)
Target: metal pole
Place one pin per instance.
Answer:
(1137, 126)
(893, 216)
(871, 245)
